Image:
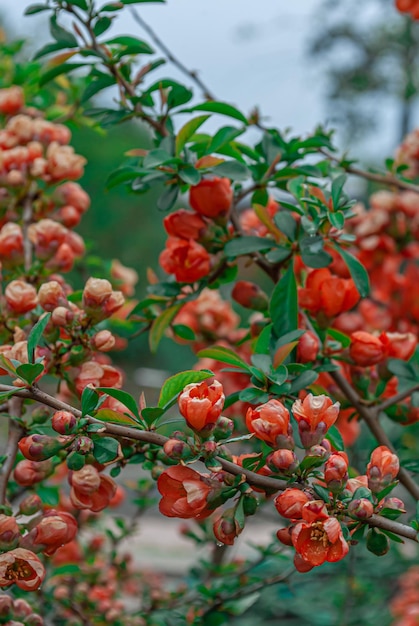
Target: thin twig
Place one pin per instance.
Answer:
(384, 179)
(264, 482)
(206, 92)
(370, 417)
(14, 436)
(396, 399)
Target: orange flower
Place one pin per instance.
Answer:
(55, 529)
(201, 404)
(184, 224)
(186, 259)
(382, 469)
(336, 471)
(271, 423)
(290, 503)
(22, 567)
(315, 415)
(318, 538)
(328, 294)
(185, 493)
(212, 197)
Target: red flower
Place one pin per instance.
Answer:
(186, 259)
(212, 197)
(201, 404)
(319, 537)
(382, 469)
(184, 224)
(308, 347)
(315, 415)
(22, 567)
(328, 294)
(91, 490)
(226, 527)
(367, 349)
(271, 423)
(185, 493)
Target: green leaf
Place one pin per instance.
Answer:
(36, 8)
(377, 542)
(133, 45)
(219, 107)
(233, 170)
(337, 219)
(102, 25)
(305, 379)
(168, 198)
(337, 187)
(89, 401)
(322, 492)
(222, 137)
(49, 495)
(151, 414)
(283, 306)
(247, 245)
(184, 332)
(49, 48)
(122, 396)
(358, 272)
(160, 324)
(189, 175)
(82, 4)
(95, 86)
(286, 224)
(253, 395)
(61, 35)
(312, 252)
(115, 417)
(401, 369)
(219, 353)
(29, 371)
(175, 384)
(335, 438)
(188, 130)
(63, 68)
(105, 449)
(36, 334)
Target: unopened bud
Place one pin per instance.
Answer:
(42, 447)
(51, 295)
(103, 341)
(64, 422)
(62, 316)
(361, 508)
(250, 296)
(223, 428)
(282, 461)
(83, 445)
(30, 505)
(176, 449)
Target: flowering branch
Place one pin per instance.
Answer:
(15, 433)
(396, 399)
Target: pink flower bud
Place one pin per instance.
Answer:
(9, 532)
(250, 296)
(336, 471)
(177, 450)
(226, 527)
(62, 316)
(282, 460)
(290, 503)
(361, 508)
(20, 296)
(96, 292)
(28, 473)
(308, 347)
(103, 341)
(382, 469)
(51, 295)
(32, 503)
(42, 447)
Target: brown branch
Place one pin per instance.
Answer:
(14, 436)
(264, 482)
(384, 179)
(206, 92)
(395, 399)
(370, 417)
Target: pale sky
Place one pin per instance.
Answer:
(268, 68)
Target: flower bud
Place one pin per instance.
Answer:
(176, 449)
(21, 608)
(393, 503)
(83, 445)
(224, 428)
(103, 341)
(31, 504)
(20, 296)
(282, 460)
(361, 508)
(28, 473)
(9, 532)
(211, 197)
(382, 469)
(284, 535)
(34, 620)
(336, 472)
(6, 604)
(315, 415)
(290, 503)
(184, 224)
(51, 295)
(250, 296)
(308, 347)
(42, 447)
(401, 345)
(226, 527)
(96, 292)
(62, 316)
(64, 422)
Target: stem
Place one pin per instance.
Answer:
(265, 482)
(370, 416)
(14, 436)
(208, 95)
(396, 399)
(384, 179)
